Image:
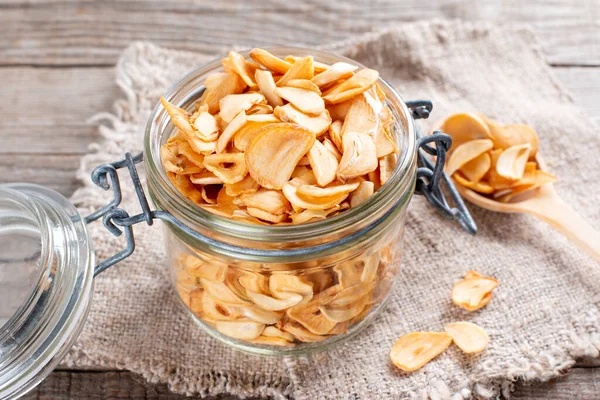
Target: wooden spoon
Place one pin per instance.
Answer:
(545, 204)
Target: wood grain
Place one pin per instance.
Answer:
(579, 384)
(94, 33)
(52, 104)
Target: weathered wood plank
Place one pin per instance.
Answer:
(580, 384)
(103, 385)
(54, 171)
(584, 86)
(93, 33)
(48, 108)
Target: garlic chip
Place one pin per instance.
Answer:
(334, 73)
(511, 162)
(304, 100)
(318, 124)
(470, 338)
(359, 155)
(474, 291)
(280, 144)
(267, 86)
(465, 127)
(232, 104)
(414, 350)
(467, 152)
(323, 163)
(270, 61)
(230, 168)
(357, 84)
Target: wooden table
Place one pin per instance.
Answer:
(56, 70)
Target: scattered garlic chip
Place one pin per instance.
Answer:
(414, 350)
(218, 86)
(232, 104)
(467, 152)
(267, 86)
(476, 169)
(465, 127)
(270, 61)
(364, 191)
(302, 68)
(318, 124)
(304, 100)
(472, 292)
(246, 330)
(230, 168)
(323, 163)
(337, 71)
(281, 144)
(359, 155)
(511, 162)
(357, 84)
(470, 338)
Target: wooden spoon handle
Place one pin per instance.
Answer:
(567, 221)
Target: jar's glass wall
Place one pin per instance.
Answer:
(280, 307)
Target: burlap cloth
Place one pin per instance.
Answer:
(543, 316)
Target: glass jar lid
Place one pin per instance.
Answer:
(46, 271)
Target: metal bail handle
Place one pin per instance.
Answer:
(118, 221)
(430, 177)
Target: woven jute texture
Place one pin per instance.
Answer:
(543, 316)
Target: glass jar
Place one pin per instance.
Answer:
(46, 270)
(283, 289)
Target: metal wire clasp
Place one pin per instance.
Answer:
(430, 176)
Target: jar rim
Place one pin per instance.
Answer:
(395, 188)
